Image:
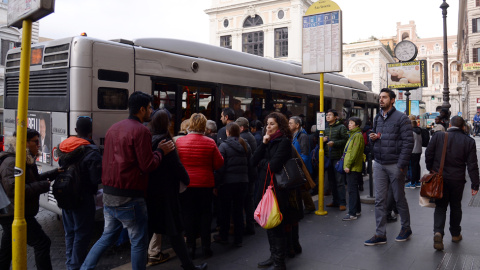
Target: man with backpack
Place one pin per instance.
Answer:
(35, 184)
(81, 162)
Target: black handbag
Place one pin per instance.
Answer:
(291, 176)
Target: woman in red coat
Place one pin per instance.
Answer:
(200, 157)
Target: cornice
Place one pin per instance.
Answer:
(243, 5)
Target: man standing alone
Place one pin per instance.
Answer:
(461, 153)
(127, 160)
(392, 139)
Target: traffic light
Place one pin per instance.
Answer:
(432, 97)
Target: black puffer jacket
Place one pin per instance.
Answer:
(396, 143)
(236, 161)
(461, 153)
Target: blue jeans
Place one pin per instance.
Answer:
(354, 205)
(78, 225)
(133, 217)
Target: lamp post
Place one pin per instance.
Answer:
(446, 92)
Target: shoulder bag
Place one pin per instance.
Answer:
(291, 176)
(432, 183)
(339, 165)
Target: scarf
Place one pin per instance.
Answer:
(276, 135)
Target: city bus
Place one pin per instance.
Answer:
(428, 119)
(84, 76)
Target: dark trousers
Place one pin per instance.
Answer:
(232, 197)
(197, 214)
(178, 245)
(36, 238)
(249, 207)
(78, 225)
(354, 206)
(336, 182)
(415, 163)
(452, 194)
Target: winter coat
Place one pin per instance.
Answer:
(235, 166)
(258, 137)
(221, 135)
(35, 184)
(354, 155)
(200, 157)
(338, 134)
(276, 153)
(75, 149)
(461, 153)
(250, 139)
(417, 140)
(301, 143)
(396, 143)
(163, 205)
(128, 158)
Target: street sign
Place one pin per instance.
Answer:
(322, 38)
(19, 10)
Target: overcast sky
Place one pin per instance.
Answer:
(186, 19)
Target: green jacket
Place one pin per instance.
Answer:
(338, 134)
(354, 157)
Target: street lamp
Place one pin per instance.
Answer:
(446, 92)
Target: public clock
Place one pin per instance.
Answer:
(406, 51)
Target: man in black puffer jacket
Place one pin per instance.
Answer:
(461, 152)
(392, 140)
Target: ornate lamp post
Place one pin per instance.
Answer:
(446, 92)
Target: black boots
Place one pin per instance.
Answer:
(266, 263)
(202, 266)
(277, 249)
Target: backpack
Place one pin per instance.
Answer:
(68, 188)
(425, 137)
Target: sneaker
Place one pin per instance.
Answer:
(438, 241)
(159, 258)
(348, 218)
(376, 240)
(410, 185)
(358, 214)
(457, 239)
(404, 235)
(418, 185)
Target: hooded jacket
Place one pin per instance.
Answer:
(338, 134)
(354, 156)
(396, 142)
(75, 149)
(236, 160)
(35, 184)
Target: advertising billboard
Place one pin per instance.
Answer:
(406, 75)
(42, 123)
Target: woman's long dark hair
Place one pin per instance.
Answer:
(234, 131)
(281, 121)
(159, 124)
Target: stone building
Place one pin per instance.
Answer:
(468, 55)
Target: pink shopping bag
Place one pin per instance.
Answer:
(268, 213)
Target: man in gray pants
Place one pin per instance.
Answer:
(392, 140)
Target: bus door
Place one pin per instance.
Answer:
(184, 99)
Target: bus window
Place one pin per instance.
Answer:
(241, 100)
(164, 98)
(288, 104)
(112, 98)
(196, 99)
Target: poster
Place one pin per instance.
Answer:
(42, 122)
(407, 75)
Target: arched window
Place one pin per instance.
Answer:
(253, 21)
(405, 36)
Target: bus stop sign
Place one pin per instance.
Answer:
(19, 10)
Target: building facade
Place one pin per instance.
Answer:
(468, 55)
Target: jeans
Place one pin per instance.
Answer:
(133, 217)
(336, 181)
(354, 205)
(415, 163)
(196, 205)
(386, 176)
(452, 194)
(78, 225)
(36, 238)
(232, 197)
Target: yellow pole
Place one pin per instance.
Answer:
(19, 227)
(321, 153)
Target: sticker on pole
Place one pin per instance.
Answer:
(17, 172)
(320, 121)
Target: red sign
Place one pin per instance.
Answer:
(478, 100)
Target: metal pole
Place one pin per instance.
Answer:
(19, 226)
(321, 154)
(407, 94)
(446, 92)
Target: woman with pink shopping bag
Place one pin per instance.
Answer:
(269, 159)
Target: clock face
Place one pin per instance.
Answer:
(405, 51)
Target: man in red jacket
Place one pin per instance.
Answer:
(127, 160)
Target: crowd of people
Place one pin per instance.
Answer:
(157, 185)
